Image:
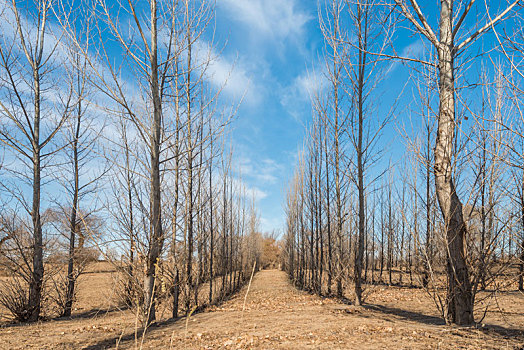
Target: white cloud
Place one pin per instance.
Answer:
(231, 75)
(276, 18)
(264, 172)
(296, 97)
(254, 192)
(234, 80)
(247, 190)
(309, 83)
(272, 224)
(414, 50)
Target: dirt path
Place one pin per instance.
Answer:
(279, 316)
(276, 316)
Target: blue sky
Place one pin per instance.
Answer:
(275, 46)
(270, 52)
(272, 45)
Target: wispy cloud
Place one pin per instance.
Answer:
(270, 224)
(248, 191)
(295, 98)
(231, 75)
(264, 172)
(275, 18)
(254, 192)
(414, 50)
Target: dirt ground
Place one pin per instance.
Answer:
(276, 315)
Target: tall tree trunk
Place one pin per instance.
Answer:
(200, 224)
(35, 284)
(328, 214)
(129, 289)
(189, 199)
(175, 288)
(320, 256)
(382, 230)
(460, 299)
(231, 252)
(73, 226)
(390, 237)
(521, 265)
(483, 214)
(373, 241)
(156, 222)
(429, 247)
(359, 253)
(211, 226)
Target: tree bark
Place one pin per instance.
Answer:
(73, 226)
(521, 267)
(362, 43)
(156, 222)
(460, 300)
(35, 284)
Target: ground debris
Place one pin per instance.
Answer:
(277, 316)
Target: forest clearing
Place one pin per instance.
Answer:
(276, 316)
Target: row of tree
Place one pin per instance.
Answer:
(115, 141)
(347, 217)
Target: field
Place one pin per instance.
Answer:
(276, 315)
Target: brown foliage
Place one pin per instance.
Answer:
(271, 251)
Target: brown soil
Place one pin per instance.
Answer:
(279, 316)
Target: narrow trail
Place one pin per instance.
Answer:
(279, 316)
(276, 315)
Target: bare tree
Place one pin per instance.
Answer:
(460, 300)
(33, 110)
(335, 118)
(364, 129)
(151, 57)
(78, 179)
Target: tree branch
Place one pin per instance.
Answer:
(486, 26)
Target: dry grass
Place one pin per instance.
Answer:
(276, 316)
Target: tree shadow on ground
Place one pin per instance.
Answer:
(406, 315)
(76, 316)
(503, 331)
(91, 313)
(138, 333)
(506, 332)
